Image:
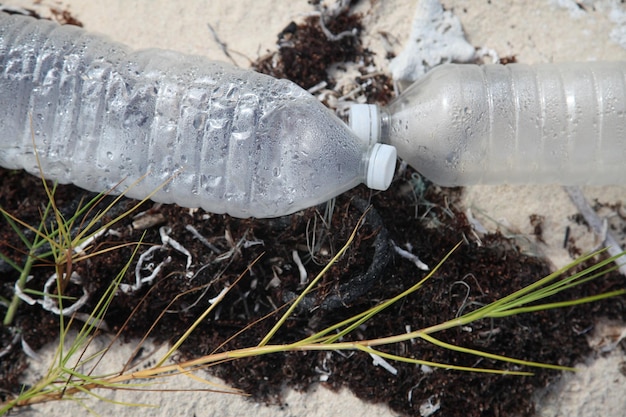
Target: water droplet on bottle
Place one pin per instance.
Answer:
(198, 121)
(216, 123)
(210, 182)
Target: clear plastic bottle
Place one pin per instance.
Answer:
(516, 124)
(228, 140)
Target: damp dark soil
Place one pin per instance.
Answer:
(413, 214)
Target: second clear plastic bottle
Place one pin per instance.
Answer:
(517, 124)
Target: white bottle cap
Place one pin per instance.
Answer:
(365, 122)
(381, 166)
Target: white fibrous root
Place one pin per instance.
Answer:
(49, 302)
(378, 361)
(410, 256)
(166, 240)
(304, 276)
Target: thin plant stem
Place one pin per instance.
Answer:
(312, 284)
(24, 271)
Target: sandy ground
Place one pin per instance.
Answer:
(533, 31)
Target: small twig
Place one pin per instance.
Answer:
(476, 225)
(301, 269)
(378, 361)
(202, 239)
(329, 35)
(80, 249)
(459, 313)
(167, 240)
(598, 226)
(223, 46)
(410, 256)
(317, 87)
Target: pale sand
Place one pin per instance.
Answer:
(533, 31)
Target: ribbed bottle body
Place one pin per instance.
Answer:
(494, 124)
(221, 138)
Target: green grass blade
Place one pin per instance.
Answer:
(377, 309)
(312, 284)
(404, 359)
(482, 354)
(561, 304)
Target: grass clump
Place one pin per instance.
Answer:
(65, 242)
(64, 382)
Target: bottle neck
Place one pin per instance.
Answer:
(365, 122)
(384, 125)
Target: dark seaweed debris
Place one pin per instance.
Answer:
(473, 275)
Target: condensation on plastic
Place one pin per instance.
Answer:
(235, 141)
(516, 124)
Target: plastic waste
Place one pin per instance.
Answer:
(516, 124)
(100, 115)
